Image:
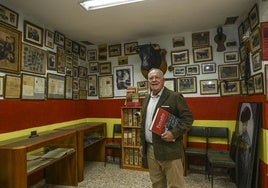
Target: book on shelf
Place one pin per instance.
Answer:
(163, 121)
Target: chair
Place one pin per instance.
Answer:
(218, 134)
(200, 133)
(221, 159)
(114, 146)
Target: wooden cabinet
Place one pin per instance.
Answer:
(91, 139)
(131, 126)
(59, 170)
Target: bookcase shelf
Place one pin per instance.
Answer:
(131, 126)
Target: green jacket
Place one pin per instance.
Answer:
(175, 104)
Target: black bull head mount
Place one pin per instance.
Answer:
(152, 56)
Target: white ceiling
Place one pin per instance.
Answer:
(130, 22)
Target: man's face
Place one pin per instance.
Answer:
(156, 81)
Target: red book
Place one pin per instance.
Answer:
(163, 121)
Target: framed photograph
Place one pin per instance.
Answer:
(33, 34)
(115, 50)
(93, 67)
(82, 94)
(202, 54)
(187, 85)
(264, 41)
(61, 60)
(49, 39)
(11, 58)
(123, 78)
(250, 86)
(266, 81)
(243, 53)
(228, 72)
(200, 39)
(76, 48)
(256, 61)
(242, 67)
(208, 87)
(142, 88)
(55, 86)
(231, 57)
(255, 40)
(59, 39)
(129, 48)
(105, 68)
(122, 60)
(51, 60)
(34, 59)
(244, 90)
(105, 86)
(83, 52)
(179, 71)
(180, 57)
(76, 95)
(92, 55)
(208, 68)
(102, 52)
(228, 88)
(33, 87)
(92, 85)
(1, 86)
(68, 45)
(68, 87)
(253, 17)
(192, 70)
(258, 83)
(75, 60)
(82, 84)
(82, 72)
(171, 84)
(12, 87)
(178, 42)
(9, 16)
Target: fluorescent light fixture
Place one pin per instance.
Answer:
(98, 4)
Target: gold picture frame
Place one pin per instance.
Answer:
(105, 86)
(12, 87)
(202, 54)
(33, 34)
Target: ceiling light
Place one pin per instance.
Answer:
(98, 4)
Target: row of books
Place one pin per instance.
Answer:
(131, 117)
(132, 157)
(131, 137)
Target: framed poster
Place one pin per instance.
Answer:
(180, 57)
(202, 54)
(11, 57)
(187, 85)
(33, 34)
(264, 41)
(34, 59)
(55, 86)
(105, 86)
(123, 78)
(49, 39)
(9, 16)
(68, 87)
(33, 87)
(92, 85)
(12, 87)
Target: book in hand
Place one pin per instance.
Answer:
(163, 121)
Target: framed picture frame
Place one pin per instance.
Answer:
(129, 48)
(11, 62)
(231, 57)
(253, 17)
(264, 41)
(192, 70)
(92, 85)
(200, 39)
(59, 39)
(228, 72)
(76, 48)
(12, 87)
(242, 67)
(49, 39)
(179, 71)
(61, 60)
(105, 68)
(33, 34)
(228, 88)
(68, 45)
(92, 55)
(83, 52)
(105, 86)
(68, 87)
(55, 86)
(36, 65)
(102, 52)
(142, 88)
(93, 67)
(255, 40)
(256, 61)
(9, 16)
(243, 53)
(33, 87)
(171, 84)
(258, 83)
(51, 60)
(250, 86)
(209, 87)
(75, 60)
(202, 54)
(2, 79)
(82, 72)
(82, 94)
(208, 68)
(115, 50)
(123, 78)
(180, 57)
(122, 60)
(82, 83)
(187, 85)
(244, 90)
(178, 41)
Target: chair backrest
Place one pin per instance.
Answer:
(198, 132)
(116, 131)
(221, 133)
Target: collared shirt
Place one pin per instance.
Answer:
(149, 115)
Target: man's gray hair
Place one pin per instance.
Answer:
(158, 70)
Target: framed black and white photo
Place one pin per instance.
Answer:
(83, 52)
(255, 40)
(105, 86)
(92, 55)
(179, 71)
(228, 72)
(180, 57)
(33, 34)
(102, 52)
(76, 48)
(51, 61)
(93, 67)
(115, 50)
(178, 42)
(129, 48)
(49, 39)
(105, 68)
(68, 45)
(254, 17)
(59, 39)
(231, 57)
(192, 70)
(208, 68)
(123, 78)
(228, 88)
(200, 39)
(208, 87)
(202, 54)
(92, 85)
(187, 85)
(256, 61)
(9, 16)
(258, 83)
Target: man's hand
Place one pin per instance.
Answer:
(167, 136)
